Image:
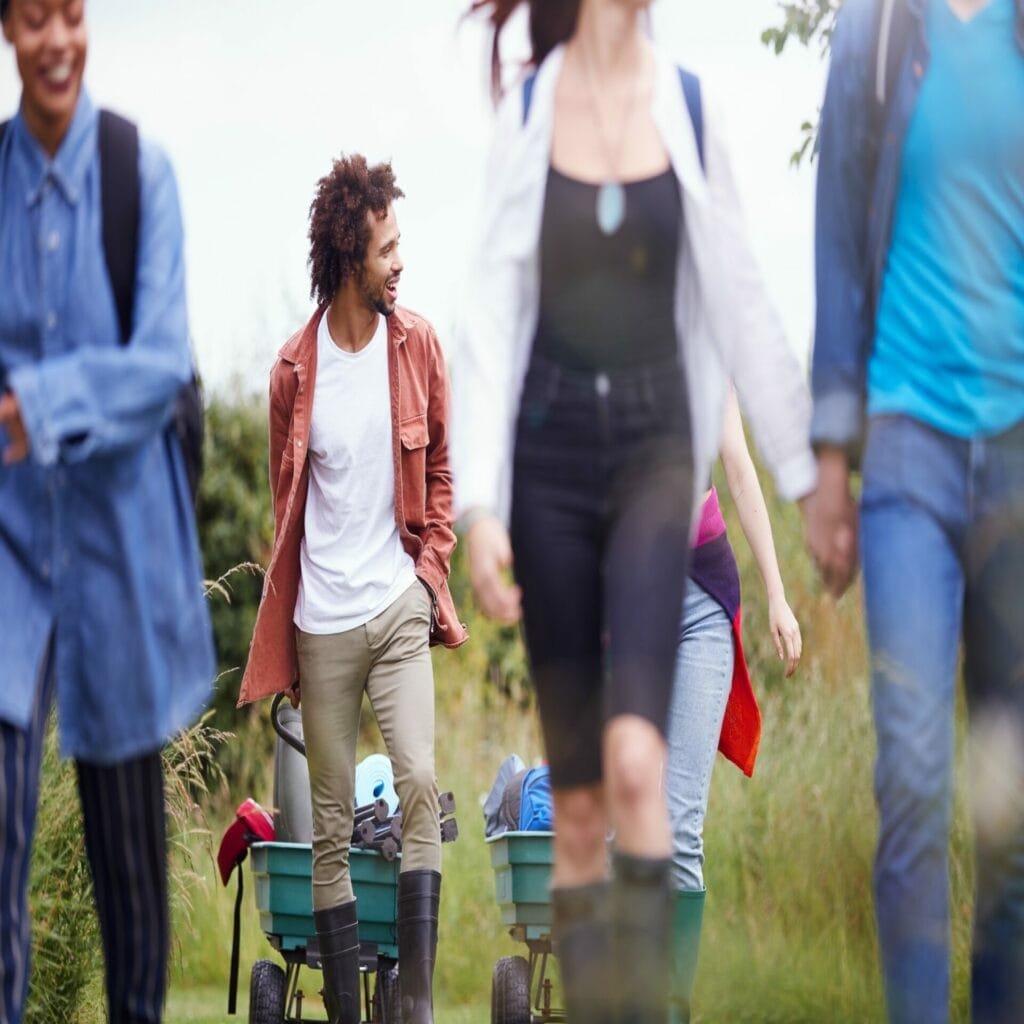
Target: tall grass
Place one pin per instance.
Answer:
(66, 981)
(789, 934)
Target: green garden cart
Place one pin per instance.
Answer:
(283, 873)
(521, 986)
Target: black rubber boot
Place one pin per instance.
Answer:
(419, 895)
(338, 935)
(641, 938)
(582, 942)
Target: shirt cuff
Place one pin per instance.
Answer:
(797, 476)
(838, 420)
(26, 383)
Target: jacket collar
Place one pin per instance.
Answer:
(71, 162)
(302, 344)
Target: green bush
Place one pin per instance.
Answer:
(236, 534)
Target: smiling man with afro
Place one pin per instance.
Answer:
(357, 589)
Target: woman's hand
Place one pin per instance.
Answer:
(490, 558)
(785, 633)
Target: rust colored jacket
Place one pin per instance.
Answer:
(423, 488)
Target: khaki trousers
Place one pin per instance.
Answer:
(389, 659)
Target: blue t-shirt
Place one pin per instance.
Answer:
(949, 347)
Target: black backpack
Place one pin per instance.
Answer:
(120, 195)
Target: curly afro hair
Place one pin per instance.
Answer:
(339, 229)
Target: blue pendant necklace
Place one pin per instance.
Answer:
(611, 195)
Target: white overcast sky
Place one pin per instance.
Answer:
(253, 98)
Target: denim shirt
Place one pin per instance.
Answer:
(859, 163)
(98, 546)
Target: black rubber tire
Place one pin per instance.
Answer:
(387, 1000)
(510, 991)
(266, 993)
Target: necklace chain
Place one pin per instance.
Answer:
(612, 155)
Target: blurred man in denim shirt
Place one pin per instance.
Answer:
(919, 372)
(101, 602)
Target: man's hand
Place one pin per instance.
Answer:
(11, 422)
(830, 522)
(490, 558)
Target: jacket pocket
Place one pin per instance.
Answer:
(414, 437)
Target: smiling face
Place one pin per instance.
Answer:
(382, 267)
(50, 43)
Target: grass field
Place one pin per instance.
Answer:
(789, 935)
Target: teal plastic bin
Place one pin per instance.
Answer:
(522, 880)
(284, 873)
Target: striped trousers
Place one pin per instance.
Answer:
(125, 841)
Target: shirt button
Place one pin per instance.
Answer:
(51, 320)
(602, 385)
(44, 570)
(53, 241)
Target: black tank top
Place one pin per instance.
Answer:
(608, 301)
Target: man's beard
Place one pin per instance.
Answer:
(376, 302)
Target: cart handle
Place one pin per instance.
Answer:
(290, 738)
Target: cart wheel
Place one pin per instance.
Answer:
(266, 993)
(510, 991)
(387, 1000)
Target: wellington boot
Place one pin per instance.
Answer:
(688, 916)
(338, 935)
(419, 896)
(582, 942)
(641, 927)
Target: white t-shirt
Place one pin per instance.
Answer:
(352, 563)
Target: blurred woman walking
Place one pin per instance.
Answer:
(610, 289)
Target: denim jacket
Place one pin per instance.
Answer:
(873, 85)
(98, 549)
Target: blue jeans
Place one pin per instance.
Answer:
(942, 537)
(704, 662)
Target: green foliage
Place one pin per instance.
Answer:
(67, 966)
(789, 934)
(236, 533)
(808, 22)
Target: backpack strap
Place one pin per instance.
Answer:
(120, 192)
(528, 85)
(691, 93)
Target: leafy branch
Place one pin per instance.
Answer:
(810, 23)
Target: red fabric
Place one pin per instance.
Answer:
(741, 728)
(251, 824)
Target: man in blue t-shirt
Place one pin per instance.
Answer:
(919, 374)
